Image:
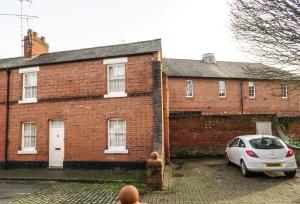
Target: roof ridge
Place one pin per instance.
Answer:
(113, 45)
(217, 60)
(10, 58)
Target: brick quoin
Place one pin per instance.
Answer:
(2, 113)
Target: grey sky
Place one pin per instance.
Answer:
(188, 28)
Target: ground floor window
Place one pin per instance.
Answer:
(28, 136)
(116, 134)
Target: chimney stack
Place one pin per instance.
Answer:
(34, 45)
(209, 58)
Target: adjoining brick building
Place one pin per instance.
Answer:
(96, 107)
(212, 102)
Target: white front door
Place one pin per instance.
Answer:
(264, 128)
(56, 143)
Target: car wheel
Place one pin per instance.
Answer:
(244, 169)
(290, 174)
(227, 160)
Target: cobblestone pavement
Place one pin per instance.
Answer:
(190, 182)
(61, 193)
(211, 181)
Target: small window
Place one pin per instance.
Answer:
(116, 134)
(28, 136)
(222, 89)
(251, 89)
(30, 85)
(284, 90)
(241, 143)
(189, 88)
(235, 142)
(116, 78)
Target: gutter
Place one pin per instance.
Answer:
(7, 119)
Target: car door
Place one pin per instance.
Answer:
(232, 150)
(241, 149)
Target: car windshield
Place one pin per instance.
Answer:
(266, 143)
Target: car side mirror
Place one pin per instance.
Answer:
(228, 145)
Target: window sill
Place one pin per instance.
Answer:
(115, 95)
(27, 152)
(222, 97)
(188, 97)
(34, 100)
(114, 151)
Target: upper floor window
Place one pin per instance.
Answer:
(251, 89)
(116, 78)
(284, 90)
(189, 88)
(29, 93)
(222, 89)
(116, 136)
(29, 85)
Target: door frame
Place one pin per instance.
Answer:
(49, 140)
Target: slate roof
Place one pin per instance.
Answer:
(222, 69)
(84, 54)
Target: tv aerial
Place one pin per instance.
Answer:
(22, 17)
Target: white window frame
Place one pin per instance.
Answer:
(221, 89)
(28, 150)
(116, 149)
(24, 72)
(187, 84)
(284, 91)
(251, 85)
(115, 94)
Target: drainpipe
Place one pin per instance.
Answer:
(7, 119)
(242, 98)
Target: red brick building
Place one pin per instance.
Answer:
(96, 107)
(112, 106)
(212, 102)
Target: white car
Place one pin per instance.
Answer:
(261, 153)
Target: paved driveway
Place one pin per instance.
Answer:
(211, 181)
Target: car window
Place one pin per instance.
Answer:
(241, 143)
(235, 142)
(266, 143)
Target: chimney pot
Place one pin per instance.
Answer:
(209, 58)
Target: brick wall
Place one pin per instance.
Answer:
(291, 126)
(75, 92)
(268, 97)
(197, 135)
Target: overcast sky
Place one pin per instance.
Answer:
(188, 28)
